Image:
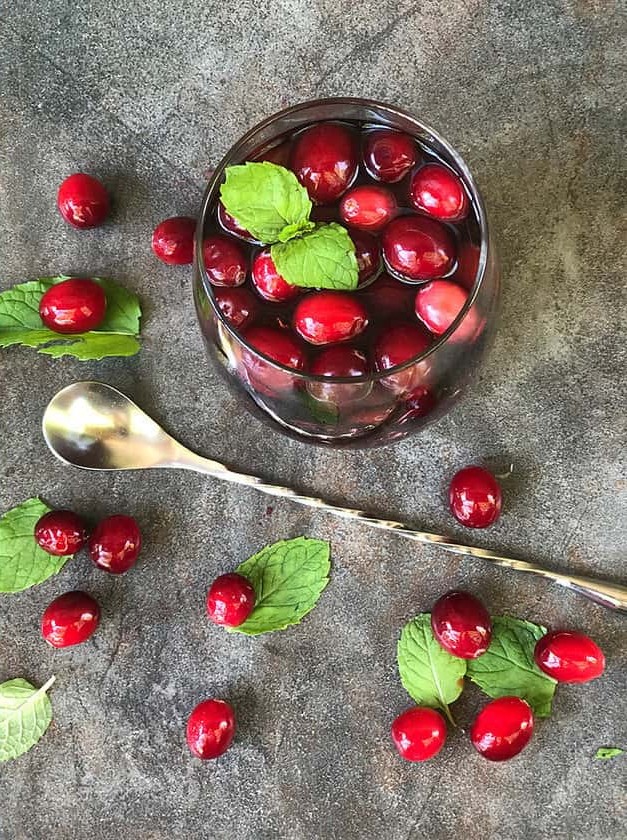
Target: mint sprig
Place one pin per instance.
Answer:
(323, 258)
(25, 714)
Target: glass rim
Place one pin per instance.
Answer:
(391, 110)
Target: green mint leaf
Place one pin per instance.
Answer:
(267, 200)
(22, 562)
(116, 336)
(323, 258)
(508, 666)
(25, 714)
(608, 752)
(288, 578)
(429, 674)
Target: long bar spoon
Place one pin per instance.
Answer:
(95, 427)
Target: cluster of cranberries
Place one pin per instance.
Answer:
(462, 626)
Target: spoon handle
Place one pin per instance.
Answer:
(608, 594)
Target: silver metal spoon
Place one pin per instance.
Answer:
(93, 426)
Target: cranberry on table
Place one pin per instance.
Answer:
(461, 624)
(502, 728)
(173, 240)
(228, 223)
(419, 733)
(368, 255)
(230, 600)
(268, 282)
(239, 305)
(83, 201)
(210, 728)
(397, 344)
(475, 497)
(73, 306)
(368, 207)
(437, 305)
(438, 191)
(280, 346)
(60, 532)
(344, 362)
(225, 261)
(329, 317)
(569, 657)
(115, 544)
(70, 619)
(325, 160)
(389, 155)
(417, 248)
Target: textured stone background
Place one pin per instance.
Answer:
(148, 96)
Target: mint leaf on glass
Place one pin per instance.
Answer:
(25, 714)
(288, 578)
(22, 562)
(429, 674)
(323, 258)
(267, 200)
(508, 667)
(604, 753)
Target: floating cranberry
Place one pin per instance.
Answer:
(280, 346)
(228, 223)
(368, 255)
(467, 264)
(387, 298)
(239, 305)
(368, 207)
(389, 155)
(230, 600)
(173, 240)
(73, 306)
(437, 305)
(417, 248)
(475, 497)
(210, 728)
(438, 191)
(569, 657)
(461, 625)
(225, 262)
(325, 159)
(60, 532)
(83, 201)
(268, 282)
(70, 619)
(278, 154)
(329, 317)
(396, 345)
(419, 733)
(419, 403)
(115, 544)
(502, 728)
(344, 362)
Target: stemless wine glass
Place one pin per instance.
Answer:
(380, 406)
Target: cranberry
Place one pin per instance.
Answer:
(60, 532)
(475, 497)
(230, 600)
(225, 262)
(83, 201)
(173, 240)
(467, 265)
(461, 625)
(70, 619)
(389, 155)
(502, 728)
(115, 544)
(268, 282)
(569, 657)
(278, 154)
(228, 223)
(368, 255)
(437, 305)
(344, 362)
(329, 317)
(387, 298)
(397, 344)
(368, 207)
(417, 248)
(210, 728)
(238, 305)
(419, 403)
(419, 733)
(438, 191)
(325, 159)
(282, 347)
(73, 306)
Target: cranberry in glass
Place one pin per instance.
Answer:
(115, 544)
(329, 317)
(397, 344)
(173, 240)
(502, 728)
(210, 728)
(438, 191)
(279, 345)
(230, 600)
(70, 619)
(368, 207)
(278, 154)
(225, 261)
(437, 305)
(419, 403)
(417, 248)
(339, 361)
(228, 223)
(325, 160)
(368, 254)
(465, 273)
(60, 532)
(387, 297)
(83, 201)
(268, 282)
(569, 657)
(461, 625)
(73, 306)
(389, 155)
(475, 497)
(239, 305)
(419, 733)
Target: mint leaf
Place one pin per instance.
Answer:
(25, 714)
(116, 336)
(267, 200)
(288, 578)
(430, 675)
(323, 258)
(508, 666)
(22, 562)
(608, 752)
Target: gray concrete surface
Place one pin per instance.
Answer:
(149, 95)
